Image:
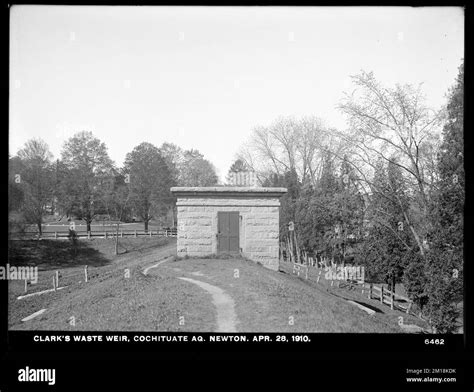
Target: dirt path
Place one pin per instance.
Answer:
(226, 318)
(142, 259)
(145, 271)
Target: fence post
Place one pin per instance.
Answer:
(121, 234)
(57, 279)
(26, 286)
(55, 235)
(89, 235)
(298, 252)
(150, 232)
(106, 234)
(54, 283)
(381, 294)
(166, 233)
(85, 274)
(370, 291)
(391, 299)
(409, 307)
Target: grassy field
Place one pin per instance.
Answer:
(374, 304)
(265, 301)
(281, 302)
(112, 301)
(98, 254)
(383, 312)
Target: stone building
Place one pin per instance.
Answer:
(235, 220)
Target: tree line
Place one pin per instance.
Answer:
(85, 183)
(386, 193)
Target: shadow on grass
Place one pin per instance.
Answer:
(54, 253)
(375, 309)
(128, 245)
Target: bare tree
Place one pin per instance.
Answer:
(393, 125)
(289, 144)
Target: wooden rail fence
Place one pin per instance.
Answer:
(94, 234)
(388, 297)
(61, 280)
(301, 264)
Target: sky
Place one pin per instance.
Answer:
(204, 77)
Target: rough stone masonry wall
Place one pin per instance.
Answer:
(258, 227)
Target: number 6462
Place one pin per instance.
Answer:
(437, 342)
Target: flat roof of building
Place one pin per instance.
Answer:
(226, 191)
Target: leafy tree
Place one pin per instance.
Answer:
(416, 282)
(349, 208)
(288, 201)
(35, 183)
(328, 184)
(15, 192)
(326, 209)
(316, 210)
(445, 264)
(120, 205)
(150, 181)
(388, 248)
(197, 171)
(85, 174)
(188, 167)
(174, 157)
(330, 215)
(16, 220)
